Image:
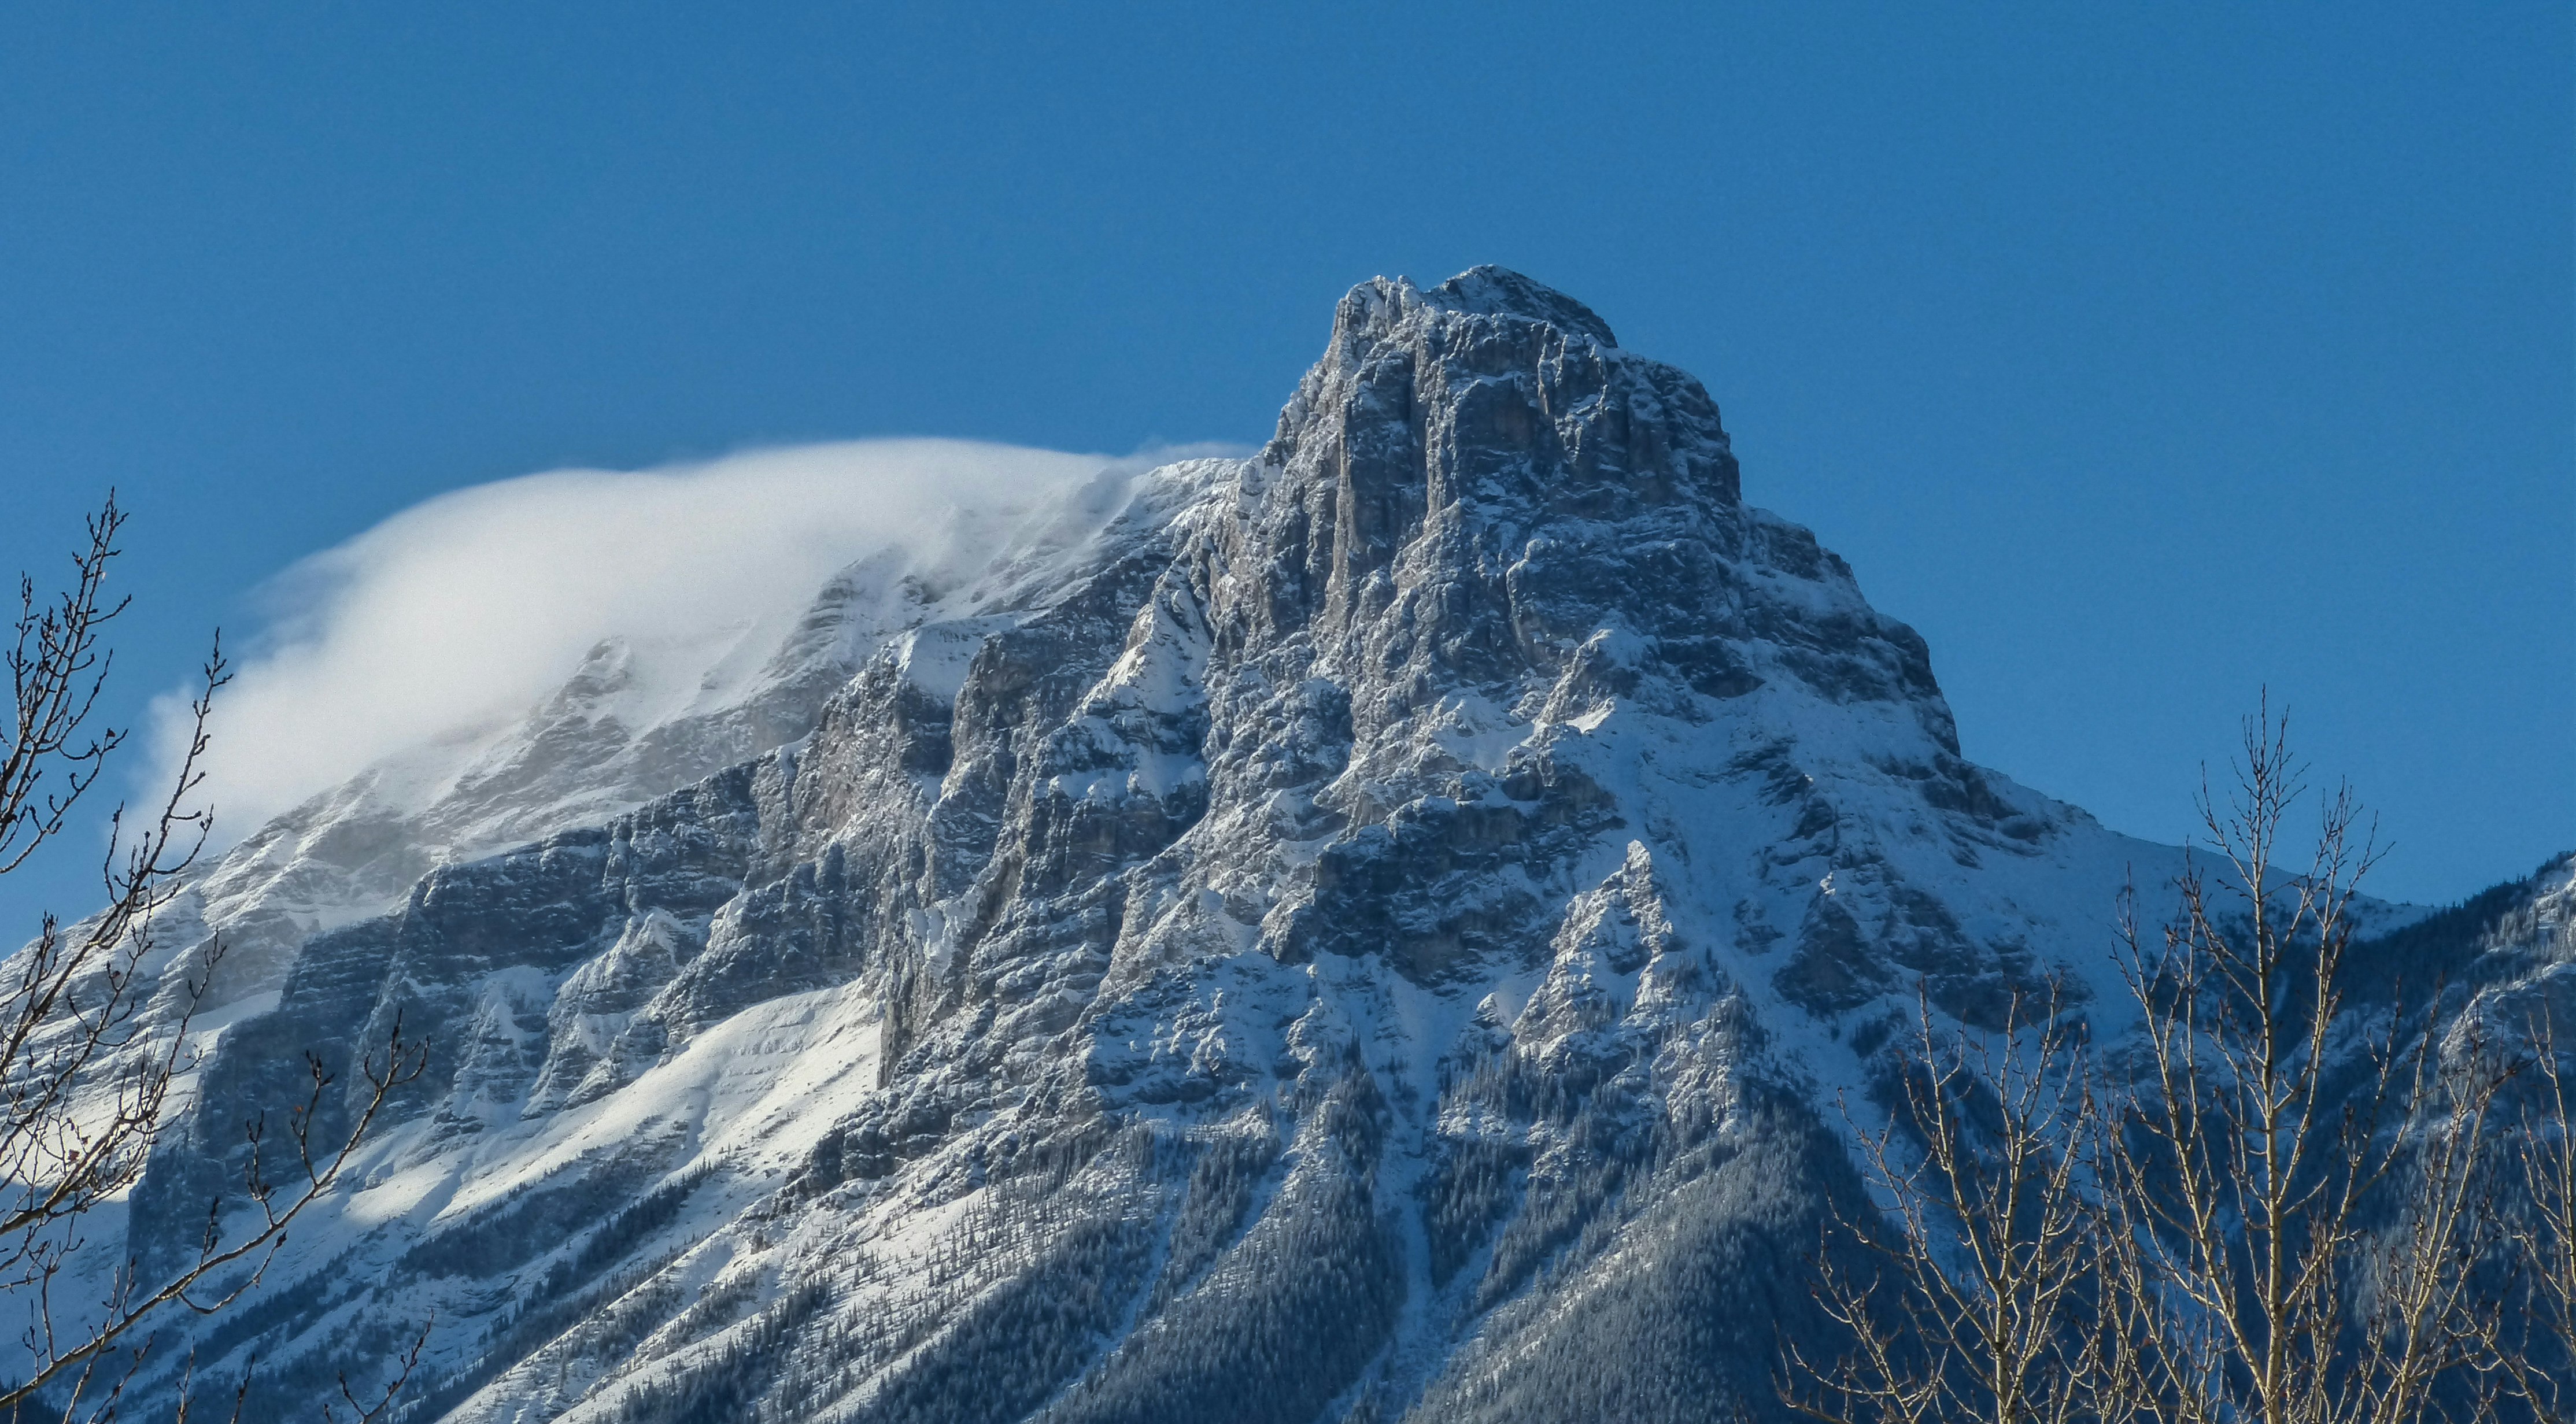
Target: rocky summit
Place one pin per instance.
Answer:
(1374, 930)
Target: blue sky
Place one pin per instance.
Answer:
(2141, 356)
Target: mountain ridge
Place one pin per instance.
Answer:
(1356, 934)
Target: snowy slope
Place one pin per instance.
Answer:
(636, 720)
(1373, 930)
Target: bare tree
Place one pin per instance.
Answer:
(88, 1081)
(1983, 1298)
(2298, 1202)
(2276, 1211)
(2542, 1245)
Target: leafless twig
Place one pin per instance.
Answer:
(87, 1078)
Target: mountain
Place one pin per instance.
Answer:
(637, 720)
(1374, 930)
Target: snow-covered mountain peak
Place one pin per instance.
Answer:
(1488, 290)
(1361, 932)
(1490, 371)
(640, 714)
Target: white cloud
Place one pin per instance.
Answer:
(476, 604)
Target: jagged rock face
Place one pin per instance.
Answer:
(1371, 934)
(636, 720)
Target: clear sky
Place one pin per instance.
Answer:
(2139, 355)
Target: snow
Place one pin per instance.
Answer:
(1647, 866)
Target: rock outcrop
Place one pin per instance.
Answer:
(1370, 931)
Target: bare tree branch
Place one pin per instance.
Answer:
(2243, 1164)
(404, 1364)
(1979, 1308)
(2542, 1245)
(88, 1081)
(2274, 1213)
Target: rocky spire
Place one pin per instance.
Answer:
(1449, 437)
(1491, 380)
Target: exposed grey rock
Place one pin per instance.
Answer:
(1368, 931)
